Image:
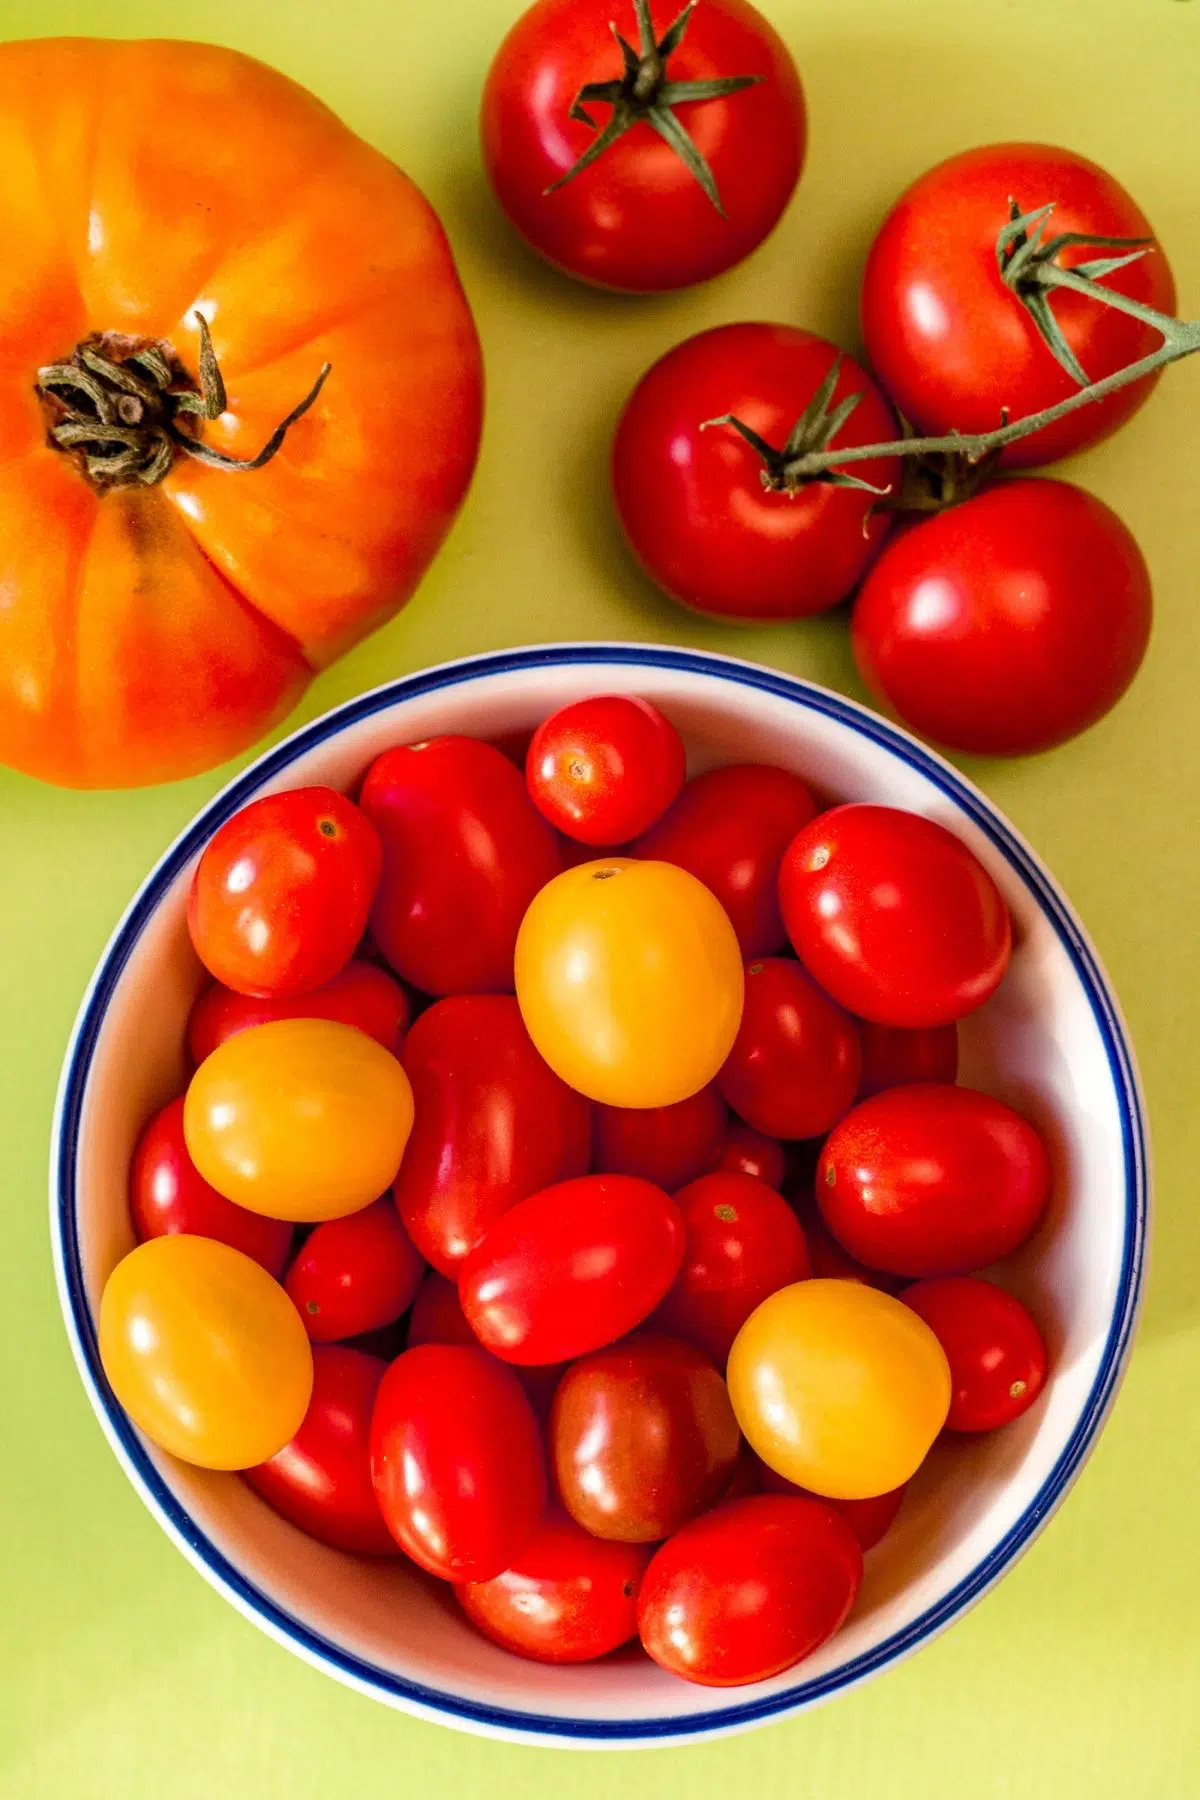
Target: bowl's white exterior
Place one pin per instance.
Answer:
(1051, 1042)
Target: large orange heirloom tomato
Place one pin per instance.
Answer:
(190, 238)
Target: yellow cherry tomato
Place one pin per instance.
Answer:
(205, 1352)
(838, 1387)
(300, 1119)
(629, 980)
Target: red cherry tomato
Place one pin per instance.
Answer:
(749, 1589)
(729, 828)
(321, 1481)
(894, 916)
(572, 1268)
(932, 1180)
(493, 1124)
(437, 1317)
(668, 1145)
(456, 1459)
(995, 1351)
(361, 995)
(168, 1194)
(1008, 623)
(637, 218)
(795, 1063)
(744, 1151)
(355, 1274)
(829, 1261)
(952, 343)
(692, 501)
(568, 1598)
(605, 769)
(464, 852)
(870, 1520)
(281, 893)
(743, 1242)
(893, 1057)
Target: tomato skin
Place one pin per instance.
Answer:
(464, 852)
(743, 1242)
(355, 1274)
(829, 1261)
(795, 1063)
(729, 828)
(932, 1180)
(747, 1590)
(668, 1145)
(996, 1354)
(953, 345)
(456, 1460)
(894, 916)
(870, 1520)
(361, 995)
(893, 1057)
(569, 1597)
(168, 1194)
(437, 1317)
(604, 769)
(1042, 617)
(744, 1151)
(572, 1268)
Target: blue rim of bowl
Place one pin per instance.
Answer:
(431, 1702)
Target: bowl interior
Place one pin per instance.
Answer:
(1048, 1042)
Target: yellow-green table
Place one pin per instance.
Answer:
(122, 1676)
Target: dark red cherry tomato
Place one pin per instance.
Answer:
(827, 1258)
(668, 1145)
(437, 1316)
(795, 1063)
(168, 1194)
(893, 1057)
(360, 995)
(355, 1274)
(604, 769)
(744, 1151)
(743, 1242)
(870, 1520)
(996, 1354)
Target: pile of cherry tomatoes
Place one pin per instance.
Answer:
(572, 1192)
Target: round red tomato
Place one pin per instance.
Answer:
(355, 1274)
(691, 494)
(894, 916)
(996, 1354)
(1008, 623)
(668, 1145)
(361, 995)
(953, 344)
(729, 828)
(870, 1520)
(464, 852)
(605, 769)
(281, 893)
(743, 1242)
(168, 1195)
(744, 1151)
(321, 1481)
(637, 216)
(795, 1063)
(745, 1591)
(456, 1459)
(932, 1180)
(893, 1057)
(572, 1268)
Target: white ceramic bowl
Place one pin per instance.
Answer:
(1051, 1042)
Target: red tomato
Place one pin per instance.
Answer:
(893, 1057)
(572, 1268)
(829, 1261)
(637, 217)
(744, 1151)
(464, 852)
(493, 1124)
(995, 1351)
(355, 1274)
(360, 995)
(932, 1180)
(1008, 623)
(743, 1242)
(894, 916)
(795, 1063)
(749, 1589)
(729, 828)
(281, 893)
(668, 1145)
(952, 343)
(321, 1481)
(870, 1520)
(168, 1194)
(437, 1317)
(691, 495)
(568, 1598)
(456, 1459)
(605, 769)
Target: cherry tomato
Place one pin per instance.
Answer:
(894, 916)
(749, 1589)
(870, 1520)
(464, 852)
(355, 1274)
(493, 1124)
(630, 981)
(828, 1259)
(795, 1063)
(300, 1119)
(743, 1242)
(932, 1180)
(572, 1268)
(1008, 623)
(605, 769)
(205, 1352)
(437, 1317)
(637, 217)
(995, 1351)
(893, 1057)
(321, 1481)
(360, 995)
(690, 493)
(744, 1151)
(281, 893)
(953, 344)
(839, 1388)
(668, 1145)
(168, 1194)
(729, 828)
(568, 1598)
(456, 1459)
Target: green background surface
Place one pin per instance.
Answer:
(121, 1673)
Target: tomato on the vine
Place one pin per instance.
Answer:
(996, 1354)
(168, 1195)
(355, 1274)
(604, 769)
(743, 1242)
(795, 1063)
(361, 995)
(668, 1145)
(569, 1597)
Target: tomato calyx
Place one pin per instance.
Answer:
(644, 93)
(787, 470)
(935, 480)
